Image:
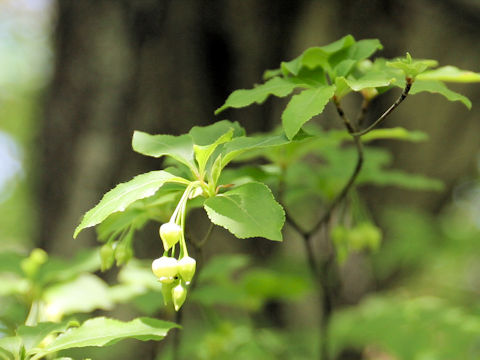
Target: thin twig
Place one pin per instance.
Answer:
(358, 167)
(406, 90)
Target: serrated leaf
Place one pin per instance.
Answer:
(437, 87)
(451, 74)
(102, 331)
(120, 197)
(249, 210)
(178, 147)
(276, 86)
(303, 107)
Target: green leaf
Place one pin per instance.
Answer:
(268, 74)
(338, 45)
(451, 74)
(343, 61)
(396, 133)
(221, 268)
(277, 86)
(437, 87)
(207, 135)
(268, 284)
(249, 210)
(117, 199)
(10, 347)
(408, 328)
(303, 107)
(11, 284)
(178, 147)
(412, 68)
(10, 262)
(364, 49)
(363, 236)
(32, 336)
(369, 80)
(240, 145)
(84, 294)
(203, 153)
(57, 270)
(102, 331)
(316, 56)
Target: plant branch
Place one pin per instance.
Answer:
(406, 90)
(358, 167)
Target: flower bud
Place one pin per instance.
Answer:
(179, 294)
(123, 253)
(186, 268)
(107, 256)
(165, 268)
(170, 233)
(31, 264)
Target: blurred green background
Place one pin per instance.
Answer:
(77, 77)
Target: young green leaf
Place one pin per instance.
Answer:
(342, 62)
(102, 331)
(438, 87)
(178, 147)
(277, 86)
(207, 135)
(249, 210)
(303, 107)
(203, 153)
(315, 57)
(450, 74)
(412, 67)
(117, 199)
